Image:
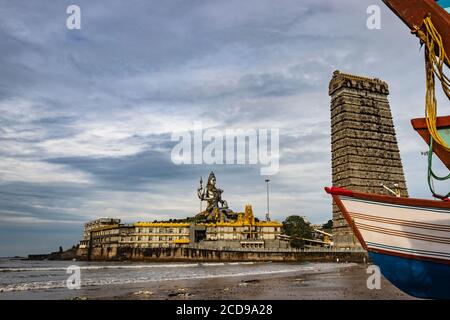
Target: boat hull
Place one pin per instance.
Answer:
(409, 239)
(418, 278)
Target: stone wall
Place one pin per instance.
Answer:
(364, 148)
(188, 254)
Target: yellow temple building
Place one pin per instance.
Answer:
(245, 232)
(217, 227)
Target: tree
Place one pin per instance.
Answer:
(328, 226)
(297, 228)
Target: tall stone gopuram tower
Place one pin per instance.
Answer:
(365, 154)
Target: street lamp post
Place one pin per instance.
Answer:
(268, 210)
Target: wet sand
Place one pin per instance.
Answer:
(346, 284)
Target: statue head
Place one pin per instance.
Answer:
(211, 180)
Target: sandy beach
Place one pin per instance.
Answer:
(191, 281)
(345, 283)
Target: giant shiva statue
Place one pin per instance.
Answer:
(213, 197)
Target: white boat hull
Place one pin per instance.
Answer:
(409, 239)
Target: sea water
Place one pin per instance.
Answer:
(26, 279)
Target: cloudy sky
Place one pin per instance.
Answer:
(86, 116)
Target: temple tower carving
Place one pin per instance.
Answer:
(365, 154)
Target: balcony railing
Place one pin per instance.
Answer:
(306, 250)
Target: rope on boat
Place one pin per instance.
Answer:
(435, 57)
(432, 175)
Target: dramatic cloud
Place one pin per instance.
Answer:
(86, 116)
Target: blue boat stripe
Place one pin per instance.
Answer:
(445, 4)
(395, 205)
(431, 253)
(419, 277)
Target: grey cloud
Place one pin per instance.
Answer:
(232, 63)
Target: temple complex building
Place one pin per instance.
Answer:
(96, 225)
(218, 227)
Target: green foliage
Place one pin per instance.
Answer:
(328, 226)
(297, 228)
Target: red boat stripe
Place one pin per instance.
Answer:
(403, 234)
(400, 222)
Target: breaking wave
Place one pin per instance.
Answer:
(106, 267)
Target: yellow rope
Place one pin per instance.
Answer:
(435, 57)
